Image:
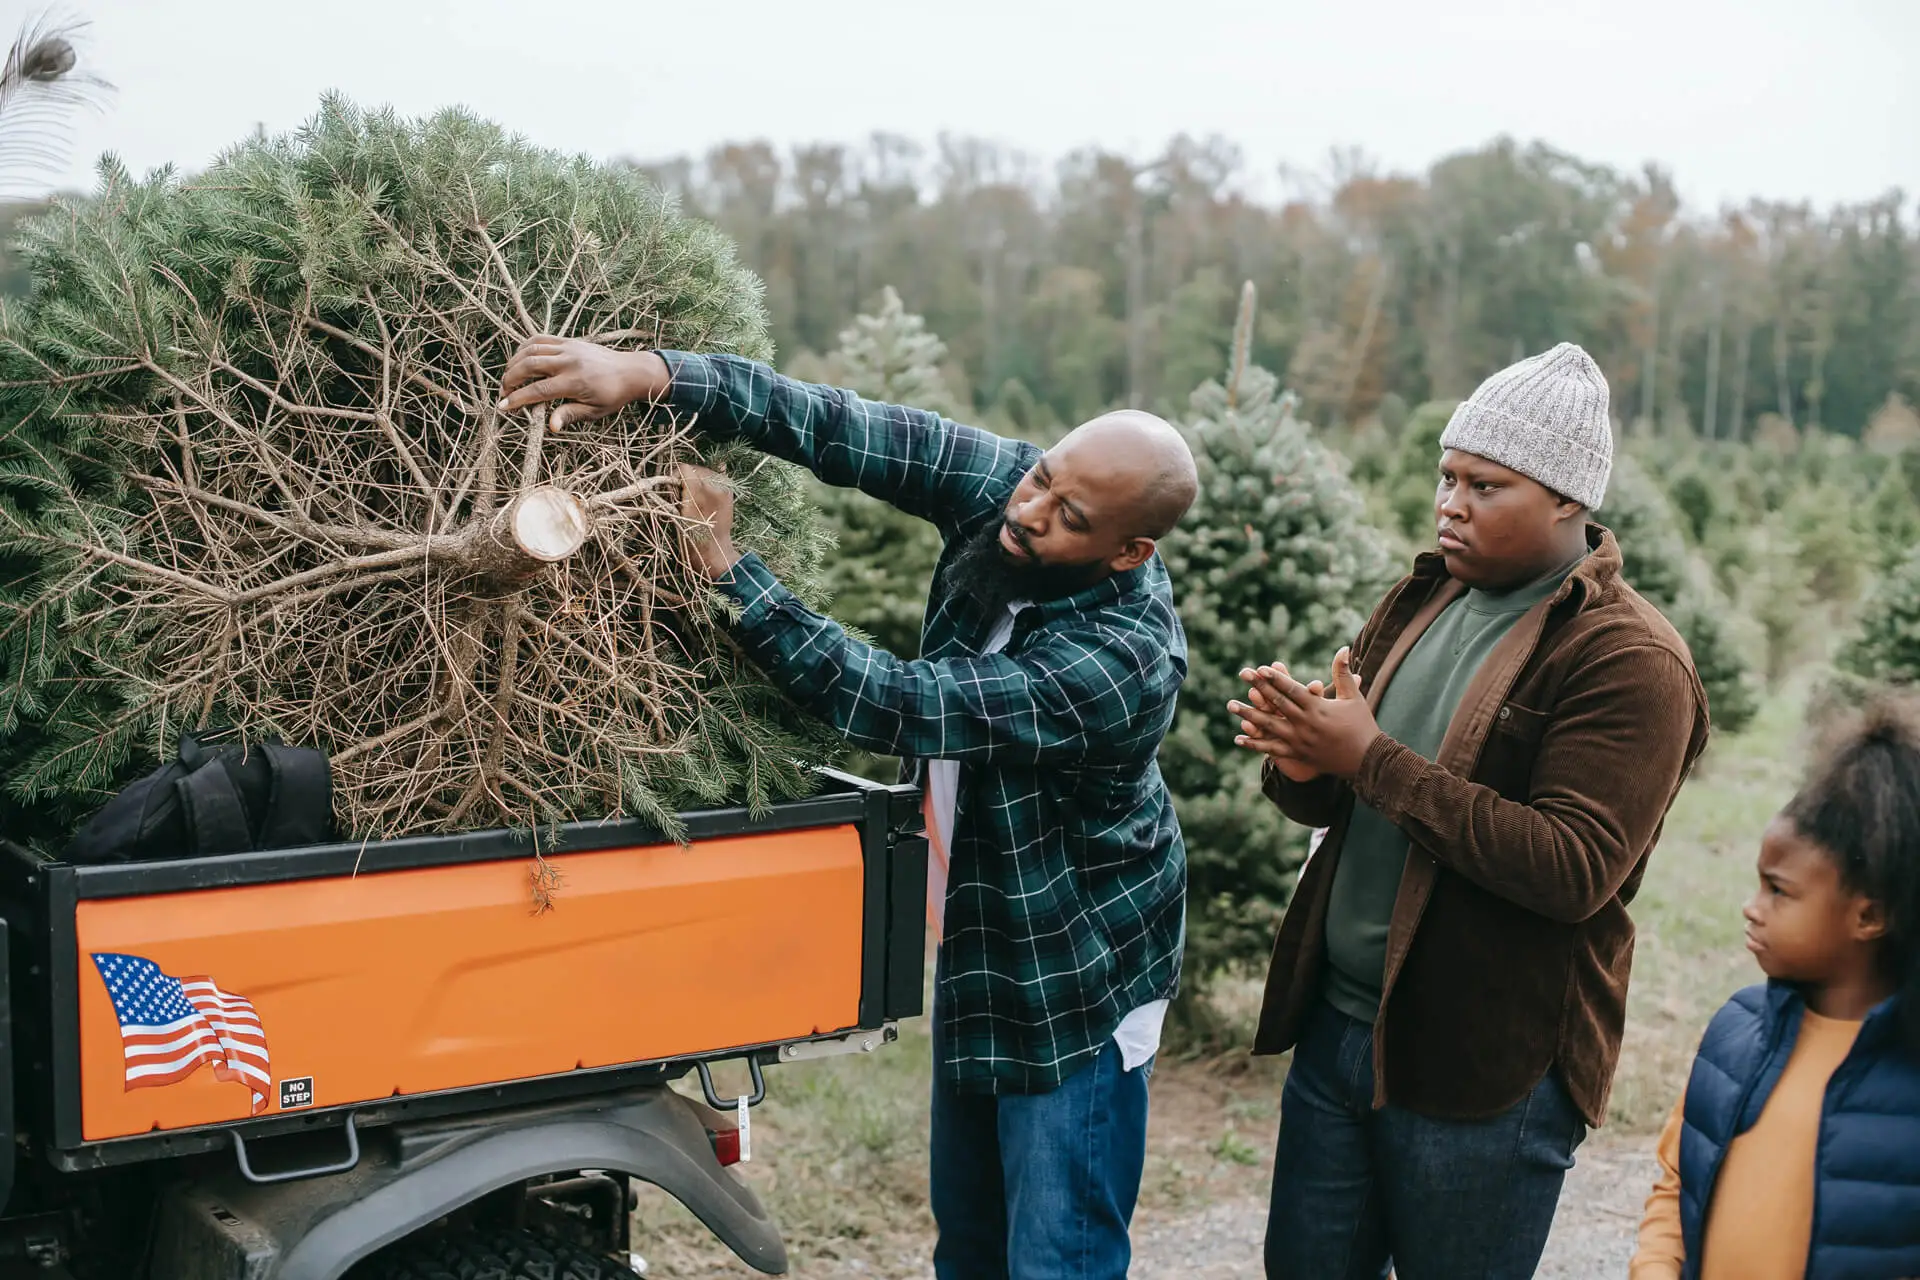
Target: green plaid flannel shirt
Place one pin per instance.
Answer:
(1066, 890)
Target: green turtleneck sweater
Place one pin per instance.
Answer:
(1415, 711)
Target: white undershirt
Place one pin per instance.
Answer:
(1138, 1034)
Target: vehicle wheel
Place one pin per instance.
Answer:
(488, 1255)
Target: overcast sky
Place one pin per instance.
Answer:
(1791, 99)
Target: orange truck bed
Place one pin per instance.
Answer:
(262, 990)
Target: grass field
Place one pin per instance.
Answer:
(1689, 955)
(840, 1146)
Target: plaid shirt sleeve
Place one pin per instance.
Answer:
(1064, 698)
(920, 462)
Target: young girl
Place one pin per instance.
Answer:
(1796, 1148)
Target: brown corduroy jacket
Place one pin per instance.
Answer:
(1510, 942)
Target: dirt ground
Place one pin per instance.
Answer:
(1592, 1235)
(1204, 1198)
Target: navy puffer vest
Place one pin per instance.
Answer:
(1866, 1188)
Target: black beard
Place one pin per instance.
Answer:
(984, 573)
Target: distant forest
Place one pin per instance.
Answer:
(1105, 280)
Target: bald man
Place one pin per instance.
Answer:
(1051, 659)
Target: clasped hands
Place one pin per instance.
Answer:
(1305, 733)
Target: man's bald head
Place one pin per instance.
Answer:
(1093, 505)
(1146, 458)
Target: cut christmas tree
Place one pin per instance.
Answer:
(253, 477)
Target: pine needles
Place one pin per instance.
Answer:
(252, 475)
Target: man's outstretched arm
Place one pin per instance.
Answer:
(1062, 700)
(918, 461)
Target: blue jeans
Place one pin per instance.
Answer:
(1039, 1186)
(1356, 1190)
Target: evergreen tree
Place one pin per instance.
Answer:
(1702, 615)
(1696, 498)
(891, 355)
(1776, 594)
(1655, 559)
(1275, 560)
(1894, 427)
(1653, 551)
(1884, 648)
(884, 568)
(1415, 477)
(1893, 510)
(253, 476)
(1834, 548)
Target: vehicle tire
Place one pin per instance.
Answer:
(488, 1255)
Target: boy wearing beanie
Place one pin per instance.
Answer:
(1487, 770)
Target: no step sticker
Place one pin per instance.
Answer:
(296, 1093)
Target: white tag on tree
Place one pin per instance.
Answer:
(746, 1130)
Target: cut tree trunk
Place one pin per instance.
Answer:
(541, 527)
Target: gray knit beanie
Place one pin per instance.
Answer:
(1546, 418)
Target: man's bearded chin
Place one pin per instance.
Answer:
(984, 573)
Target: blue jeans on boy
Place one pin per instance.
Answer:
(1039, 1186)
(1356, 1190)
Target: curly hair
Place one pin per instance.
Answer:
(1861, 804)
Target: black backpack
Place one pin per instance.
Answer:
(233, 800)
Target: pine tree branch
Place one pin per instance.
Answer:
(512, 286)
(295, 526)
(651, 484)
(185, 582)
(384, 416)
(324, 452)
(413, 376)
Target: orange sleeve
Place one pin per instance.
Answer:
(1662, 1254)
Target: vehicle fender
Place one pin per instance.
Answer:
(227, 1228)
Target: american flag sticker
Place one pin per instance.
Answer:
(171, 1027)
